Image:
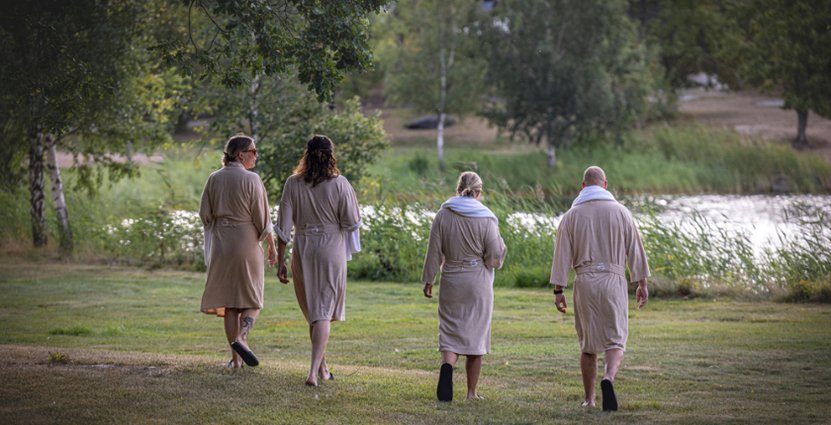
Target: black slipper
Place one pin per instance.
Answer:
(247, 356)
(444, 391)
(609, 399)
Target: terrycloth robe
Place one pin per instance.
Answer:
(322, 217)
(466, 250)
(234, 212)
(598, 239)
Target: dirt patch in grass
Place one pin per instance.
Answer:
(754, 114)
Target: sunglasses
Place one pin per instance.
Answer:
(251, 150)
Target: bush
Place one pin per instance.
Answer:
(531, 277)
(160, 238)
(393, 242)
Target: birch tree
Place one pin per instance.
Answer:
(62, 62)
(432, 60)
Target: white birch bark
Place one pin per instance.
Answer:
(58, 197)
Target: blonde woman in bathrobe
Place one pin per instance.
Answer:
(466, 247)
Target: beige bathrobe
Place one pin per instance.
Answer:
(598, 239)
(466, 250)
(234, 212)
(321, 217)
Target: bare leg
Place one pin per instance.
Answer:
(588, 367)
(247, 318)
(323, 372)
(448, 357)
(320, 337)
(613, 359)
(473, 366)
(232, 329)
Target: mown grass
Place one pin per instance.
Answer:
(149, 356)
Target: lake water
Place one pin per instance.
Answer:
(764, 220)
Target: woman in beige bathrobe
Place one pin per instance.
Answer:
(466, 246)
(234, 212)
(320, 205)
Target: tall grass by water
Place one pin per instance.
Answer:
(659, 160)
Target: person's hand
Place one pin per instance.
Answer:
(272, 256)
(560, 302)
(283, 273)
(428, 290)
(641, 295)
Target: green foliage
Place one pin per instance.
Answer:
(662, 160)
(393, 243)
(159, 238)
(418, 164)
(689, 36)
(235, 41)
(565, 70)
(285, 116)
(785, 46)
(803, 265)
(58, 357)
(702, 255)
(427, 41)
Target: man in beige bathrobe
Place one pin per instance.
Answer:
(598, 238)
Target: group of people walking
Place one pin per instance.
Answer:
(319, 215)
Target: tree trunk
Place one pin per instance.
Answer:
(801, 140)
(253, 107)
(446, 62)
(36, 190)
(129, 152)
(552, 157)
(440, 140)
(58, 194)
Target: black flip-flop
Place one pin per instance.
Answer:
(444, 391)
(247, 355)
(609, 398)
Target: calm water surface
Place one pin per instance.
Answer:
(764, 220)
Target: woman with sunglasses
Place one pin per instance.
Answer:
(234, 212)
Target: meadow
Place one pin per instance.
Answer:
(107, 344)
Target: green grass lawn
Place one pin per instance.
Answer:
(97, 344)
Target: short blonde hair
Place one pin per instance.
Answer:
(469, 184)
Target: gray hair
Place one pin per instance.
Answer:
(469, 184)
(234, 146)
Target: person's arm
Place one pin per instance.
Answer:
(561, 265)
(642, 293)
(272, 252)
(433, 259)
(282, 271)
